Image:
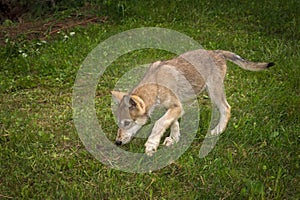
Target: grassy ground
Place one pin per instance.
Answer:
(257, 157)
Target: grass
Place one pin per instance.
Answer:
(257, 157)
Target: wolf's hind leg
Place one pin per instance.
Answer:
(174, 135)
(217, 94)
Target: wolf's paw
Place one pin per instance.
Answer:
(150, 148)
(170, 141)
(150, 151)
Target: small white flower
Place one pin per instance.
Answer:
(72, 33)
(24, 55)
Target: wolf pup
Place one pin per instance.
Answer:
(168, 84)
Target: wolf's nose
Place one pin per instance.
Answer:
(118, 142)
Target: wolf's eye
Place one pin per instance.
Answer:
(126, 123)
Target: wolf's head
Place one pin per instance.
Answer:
(131, 115)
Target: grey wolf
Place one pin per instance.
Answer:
(168, 84)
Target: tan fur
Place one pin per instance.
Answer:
(169, 83)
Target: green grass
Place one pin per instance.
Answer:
(257, 157)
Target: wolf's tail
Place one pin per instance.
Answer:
(245, 64)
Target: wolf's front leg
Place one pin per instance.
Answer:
(174, 135)
(160, 127)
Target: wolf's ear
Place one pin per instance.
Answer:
(118, 96)
(135, 102)
(129, 102)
